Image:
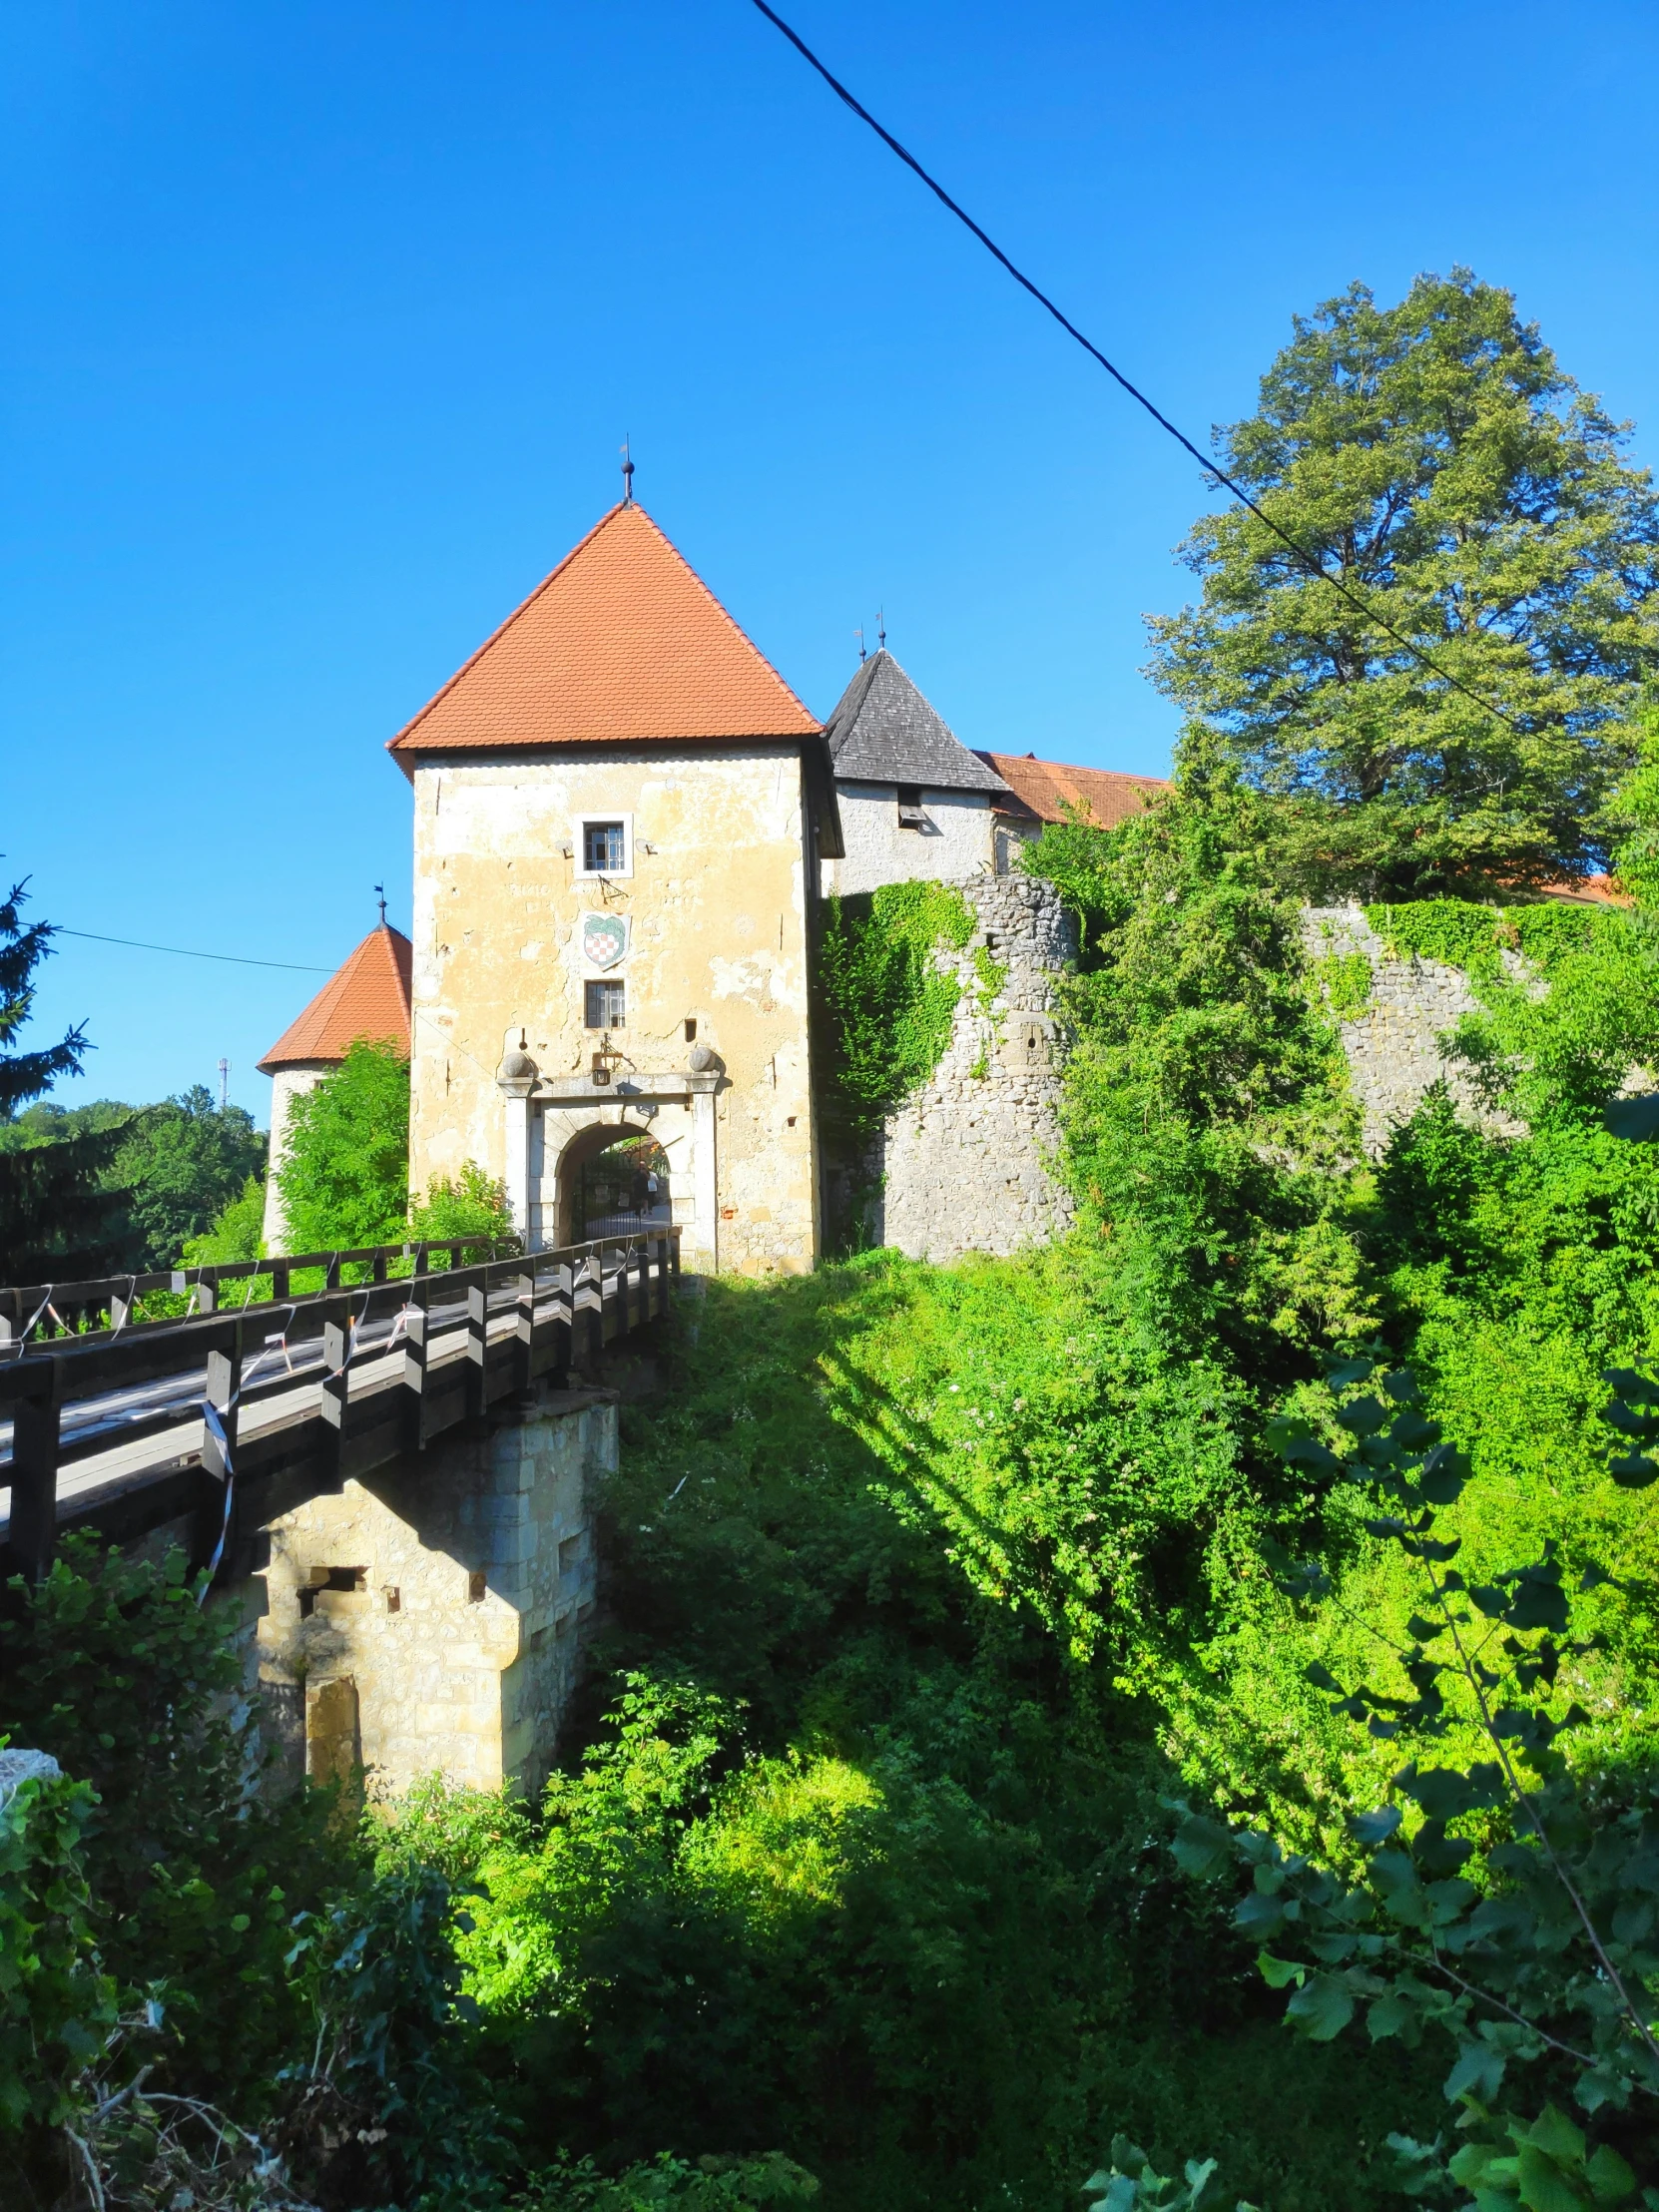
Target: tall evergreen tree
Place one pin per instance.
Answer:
(57, 1221)
(1439, 463)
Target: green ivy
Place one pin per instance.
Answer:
(1469, 936)
(1344, 978)
(888, 1007)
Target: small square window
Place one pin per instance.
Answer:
(604, 847)
(607, 1005)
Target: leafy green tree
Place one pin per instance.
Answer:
(1442, 467)
(237, 1232)
(1637, 857)
(184, 1161)
(344, 1175)
(1505, 1900)
(473, 1204)
(57, 1218)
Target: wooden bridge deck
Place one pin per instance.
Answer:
(229, 1419)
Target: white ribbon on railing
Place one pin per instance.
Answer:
(215, 1422)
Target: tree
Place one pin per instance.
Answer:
(183, 1162)
(344, 1176)
(1438, 462)
(56, 1221)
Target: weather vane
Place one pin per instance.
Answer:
(859, 635)
(627, 474)
(881, 629)
(381, 893)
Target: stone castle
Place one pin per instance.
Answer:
(625, 825)
(626, 830)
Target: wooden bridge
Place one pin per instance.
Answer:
(234, 1412)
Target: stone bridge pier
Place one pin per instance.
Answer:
(431, 1614)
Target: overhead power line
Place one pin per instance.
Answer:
(1207, 461)
(185, 952)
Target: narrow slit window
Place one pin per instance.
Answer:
(606, 1005)
(604, 847)
(910, 815)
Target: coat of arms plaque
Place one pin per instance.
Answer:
(604, 940)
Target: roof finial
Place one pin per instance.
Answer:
(859, 635)
(627, 474)
(381, 893)
(881, 629)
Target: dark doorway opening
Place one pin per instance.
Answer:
(616, 1187)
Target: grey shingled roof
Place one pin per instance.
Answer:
(883, 732)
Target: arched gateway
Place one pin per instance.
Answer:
(557, 1126)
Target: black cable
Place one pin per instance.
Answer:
(182, 953)
(1205, 462)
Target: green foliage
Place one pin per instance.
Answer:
(473, 1205)
(904, 1853)
(183, 1162)
(1129, 2184)
(112, 1667)
(1344, 979)
(1516, 1912)
(1436, 460)
(23, 945)
(344, 1175)
(384, 2106)
(237, 1232)
(55, 2006)
(58, 1218)
(1636, 859)
(888, 1004)
(707, 2184)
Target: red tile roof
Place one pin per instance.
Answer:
(1047, 789)
(624, 641)
(1586, 890)
(367, 997)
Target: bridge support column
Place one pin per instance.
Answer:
(441, 1602)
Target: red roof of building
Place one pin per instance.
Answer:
(367, 997)
(1047, 789)
(624, 641)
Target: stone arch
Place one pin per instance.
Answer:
(591, 1203)
(566, 1138)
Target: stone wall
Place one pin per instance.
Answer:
(964, 1165)
(1395, 1044)
(432, 1615)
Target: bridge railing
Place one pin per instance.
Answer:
(109, 1303)
(127, 1428)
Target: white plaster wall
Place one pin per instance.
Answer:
(286, 1085)
(473, 1688)
(963, 1166)
(956, 843)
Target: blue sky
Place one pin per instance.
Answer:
(326, 322)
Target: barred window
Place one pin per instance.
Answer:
(604, 847)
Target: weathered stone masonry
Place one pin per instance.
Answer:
(964, 1165)
(1395, 1044)
(432, 1617)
